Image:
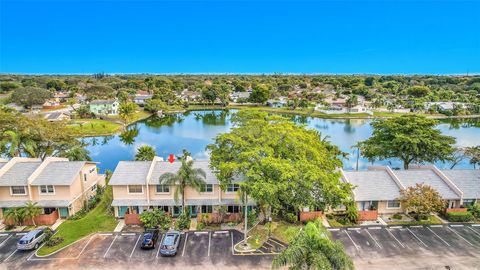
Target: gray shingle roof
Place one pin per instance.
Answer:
(468, 181)
(428, 177)
(164, 166)
(18, 174)
(53, 203)
(2, 164)
(101, 101)
(59, 173)
(9, 204)
(373, 185)
(129, 202)
(130, 173)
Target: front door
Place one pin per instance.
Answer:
(63, 212)
(193, 211)
(122, 210)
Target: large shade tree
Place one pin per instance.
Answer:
(421, 200)
(29, 96)
(410, 138)
(283, 165)
(312, 249)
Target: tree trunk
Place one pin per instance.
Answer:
(183, 200)
(33, 221)
(405, 165)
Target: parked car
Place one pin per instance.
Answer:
(150, 238)
(170, 243)
(33, 239)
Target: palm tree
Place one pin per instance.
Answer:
(31, 210)
(145, 153)
(16, 215)
(16, 143)
(187, 176)
(313, 249)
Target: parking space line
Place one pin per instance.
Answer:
(353, 229)
(416, 237)
(3, 234)
(128, 234)
(185, 245)
(477, 233)
(398, 241)
(1, 244)
(9, 256)
(111, 244)
(84, 247)
(20, 234)
(460, 236)
(105, 234)
(136, 243)
(456, 225)
(197, 233)
(436, 226)
(333, 230)
(446, 243)
(475, 225)
(374, 228)
(396, 227)
(218, 232)
(209, 239)
(158, 251)
(355, 244)
(417, 226)
(374, 240)
(276, 242)
(231, 235)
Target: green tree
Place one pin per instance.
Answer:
(156, 218)
(421, 200)
(145, 153)
(16, 215)
(352, 101)
(282, 164)
(8, 86)
(187, 176)
(55, 84)
(126, 111)
(78, 153)
(29, 96)
(14, 143)
(312, 248)
(260, 93)
(31, 210)
(473, 153)
(155, 105)
(410, 138)
(418, 91)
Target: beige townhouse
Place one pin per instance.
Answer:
(136, 188)
(60, 187)
(377, 190)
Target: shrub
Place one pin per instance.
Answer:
(475, 210)
(291, 218)
(54, 241)
(397, 216)
(156, 218)
(459, 216)
(251, 218)
(183, 221)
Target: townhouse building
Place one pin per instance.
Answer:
(377, 190)
(137, 188)
(58, 186)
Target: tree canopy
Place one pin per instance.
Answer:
(410, 138)
(283, 165)
(421, 200)
(29, 96)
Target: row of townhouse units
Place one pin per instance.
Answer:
(377, 190)
(137, 188)
(58, 186)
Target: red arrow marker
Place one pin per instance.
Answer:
(171, 158)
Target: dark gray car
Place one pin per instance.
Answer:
(169, 246)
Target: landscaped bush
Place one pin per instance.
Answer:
(183, 221)
(291, 218)
(156, 219)
(397, 216)
(53, 241)
(459, 216)
(475, 210)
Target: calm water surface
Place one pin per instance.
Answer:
(194, 130)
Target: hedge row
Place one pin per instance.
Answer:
(459, 216)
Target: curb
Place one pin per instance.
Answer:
(56, 251)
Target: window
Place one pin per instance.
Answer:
(233, 209)
(94, 187)
(393, 204)
(207, 209)
(233, 187)
(48, 211)
(135, 189)
(163, 189)
(92, 170)
(18, 190)
(206, 188)
(85, 177)
(47, 189)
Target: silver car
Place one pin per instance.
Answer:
(170, 243)
(32, 239)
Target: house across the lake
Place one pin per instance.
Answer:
(58, 186)
(104, 107)
(136, 188)
(377, 190)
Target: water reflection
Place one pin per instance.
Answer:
(194, 130)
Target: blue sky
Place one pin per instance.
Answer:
(380, 37)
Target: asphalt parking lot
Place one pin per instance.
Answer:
(379, 241)
(119, 250)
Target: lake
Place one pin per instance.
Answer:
(194, 130)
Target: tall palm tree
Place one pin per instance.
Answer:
(187, 176)
(31, 210)
(313, 249)
(145, 153)
(15, 143)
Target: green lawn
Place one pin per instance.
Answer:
(280, 230)
(97, 220)
(137, 116)
(94, 127)
(431, 220)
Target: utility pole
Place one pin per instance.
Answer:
(246, 214)
(358, 156)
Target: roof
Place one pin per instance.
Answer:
(59, 173)
(2, 163)
(428, 177)
(373, 185)
(42, 203)
(129, 202)
(55, 115)
(130, 173)
(18, 174)
(162, 167)
(101, 101)
(468, 181)
(142, 97)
